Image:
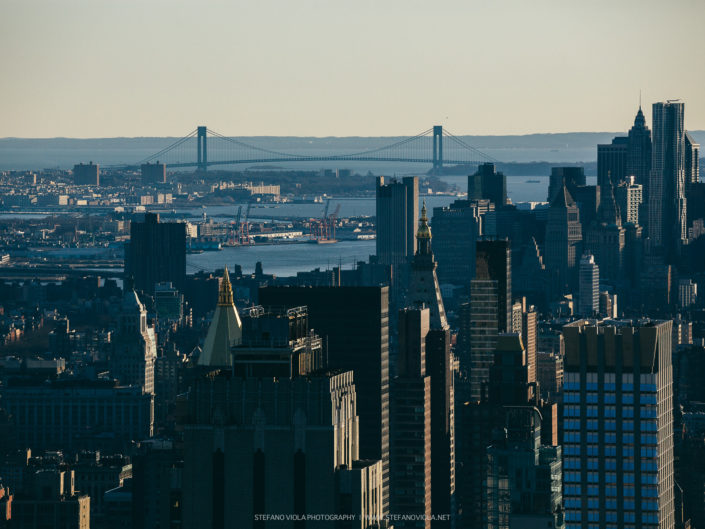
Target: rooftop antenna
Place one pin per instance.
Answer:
(639, 98)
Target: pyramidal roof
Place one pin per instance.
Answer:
(563, 198)
(225, 330)
(131, 301)
(608, 211)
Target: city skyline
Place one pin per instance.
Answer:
(128, 69)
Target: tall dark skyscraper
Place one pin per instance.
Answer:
(639, 150)
(488, 184)
(488, 313)
(397, 216)
(354, 322)
(618, 425)
(667, 226)
(156, 253)
(411, 422)
(612, 161)
(493, 262)
(425, 292)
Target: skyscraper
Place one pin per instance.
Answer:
(563, 239)
(639, 150)
(397, 215)
(134, 346)
(588, 287)
(425, 292)
(489, 313)
(424, 289)
(666, 194)
(629, 197)
(156, 253)
(354, 323)
(692, 160)
(488, 184)
(494, 262)
(612, 161)
(529, 337)
(455, 231)
(410, 446)
(618, 425)
(605, 238)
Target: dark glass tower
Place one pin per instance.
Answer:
(667, 202)
(488, 184)
(410, 452)
(156, 253)
(397, 214)
(455, 231)
(354, 323)
(612, 161)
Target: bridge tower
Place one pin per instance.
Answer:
(202, 148)
(437, 148)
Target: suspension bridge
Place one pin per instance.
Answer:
(203, 148)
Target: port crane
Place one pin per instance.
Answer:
(244, 226)
(323, 230)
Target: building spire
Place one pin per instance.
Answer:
(423, 235)
(639, 120)
(225, 295)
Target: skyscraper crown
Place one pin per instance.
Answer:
(639, 120)
(225, 295)
(424, 231)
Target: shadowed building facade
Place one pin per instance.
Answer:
(666, 194)
(424, 291)
(455, 232)
(563, 239)
(353, 322)
(259, 447)
(488, 184)
(156, 253)
(410, 451)
(397, 214)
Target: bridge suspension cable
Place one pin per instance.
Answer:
(170, 147)
(460, 142)
(424, 147)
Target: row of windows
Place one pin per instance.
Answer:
(573, 397)
(645, 379)
(610, 516)
(572, 463)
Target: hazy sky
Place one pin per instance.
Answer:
(94, 68)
